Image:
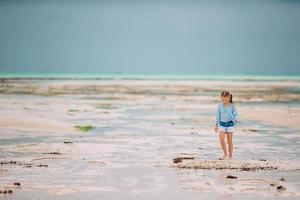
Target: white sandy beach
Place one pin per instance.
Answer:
(138, 128)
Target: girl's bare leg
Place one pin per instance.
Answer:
(230, 145)
(223, 145)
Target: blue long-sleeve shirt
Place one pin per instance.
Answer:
(226, 113)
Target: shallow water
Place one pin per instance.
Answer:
(139, 129)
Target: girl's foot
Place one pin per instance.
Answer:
(230, 158)
(224, 157)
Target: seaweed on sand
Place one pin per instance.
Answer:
(84, 128)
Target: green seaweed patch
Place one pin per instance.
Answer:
(73, 110)
(84, 128)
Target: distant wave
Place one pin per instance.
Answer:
(112, 76)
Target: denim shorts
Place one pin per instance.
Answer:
(227, 124)
(227, 127)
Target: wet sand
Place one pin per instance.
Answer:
(146, 139)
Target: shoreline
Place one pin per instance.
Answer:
(148, 76)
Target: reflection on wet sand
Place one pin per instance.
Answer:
(127, 139)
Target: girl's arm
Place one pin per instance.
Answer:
(218, 115)
(235, 114)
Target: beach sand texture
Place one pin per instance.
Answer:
(146, 139)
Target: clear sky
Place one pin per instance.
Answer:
(157, 36)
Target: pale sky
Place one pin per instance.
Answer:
(157, 36)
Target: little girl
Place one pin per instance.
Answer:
(226, 121)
